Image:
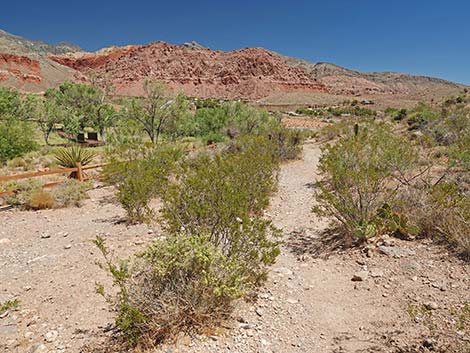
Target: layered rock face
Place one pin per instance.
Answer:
(246, 73)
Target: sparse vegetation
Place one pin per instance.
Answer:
(363, 176)
(216, 250)
(70, 194)
(9, 305)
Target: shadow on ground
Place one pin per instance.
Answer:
(321, 244)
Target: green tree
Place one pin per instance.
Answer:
(86, 106)
(45, 112)
(15, 132)
(157, 109)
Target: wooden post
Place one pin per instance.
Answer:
(79, 172)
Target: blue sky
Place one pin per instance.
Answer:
(421, 37)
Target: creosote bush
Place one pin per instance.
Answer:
(30, 194)
(451, 208)
(363, 174)
(141, 178)
(216, 249)
(70, 194)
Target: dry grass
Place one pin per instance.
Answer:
(40, 200)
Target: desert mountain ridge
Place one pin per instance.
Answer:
(253, 74)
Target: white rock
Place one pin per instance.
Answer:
(51, 336)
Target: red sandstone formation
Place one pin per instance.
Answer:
(22, 68)
(246, 73)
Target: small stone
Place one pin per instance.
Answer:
(5, 241)
(292, 301)
(395, 251)
(68, 246)
(431, 306)
(45, 236)
(283, 271)
(428, 343)
(360, 276)
(150, 231)
(39, 348)
(65, 235)
(414, 278)
(259, 312)
(138, 242)
(51, 336)
(376, 273)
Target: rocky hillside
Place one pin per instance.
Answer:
(340, 80)
(246, 73)
(250, 73)
(10, 43)
(24, 64)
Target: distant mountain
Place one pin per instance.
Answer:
(251, 73)
(13, 44)
(340, 80)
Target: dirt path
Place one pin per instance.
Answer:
(309, 304)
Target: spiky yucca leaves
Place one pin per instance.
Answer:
(70, 157)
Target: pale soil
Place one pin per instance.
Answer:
(309, 303)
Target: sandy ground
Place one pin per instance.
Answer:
(309, 304)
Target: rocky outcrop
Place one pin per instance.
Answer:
(20, 68)
(246, 73)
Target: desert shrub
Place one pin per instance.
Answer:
(452, 214)
(341, 128)
(15, 139)
(141, 178)
(214, 190)
(212, 123)
(19, 162)
(355, 110)
(288, 143)
(176, 284)
(421, 117)
(9, 305)
(216, 250)
(40, 200)
(361, 172)
(310, 111)
(24, 189)
(396, 114)
(71, 193)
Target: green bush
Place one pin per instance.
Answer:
(361, 172)
(396, 114)
(451, 219)
(213, 191)
(15, 139)
(217, 246)
(177, 284)
(140, 179)
(421, 117)
(71, 193)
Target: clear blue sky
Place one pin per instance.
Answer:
(415, 36)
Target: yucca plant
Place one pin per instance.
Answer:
(70, 157)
